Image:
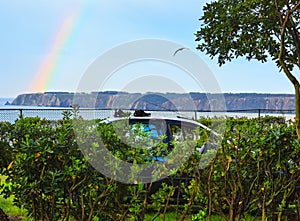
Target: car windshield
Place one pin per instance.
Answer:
(157, 138)
(181, 132)
(149, 129)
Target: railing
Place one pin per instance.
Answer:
(11, 114)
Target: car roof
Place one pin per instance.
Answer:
(172, 119)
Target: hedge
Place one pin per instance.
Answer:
(255, 171)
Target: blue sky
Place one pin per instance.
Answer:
(29, 27)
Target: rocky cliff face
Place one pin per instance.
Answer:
(159, 101)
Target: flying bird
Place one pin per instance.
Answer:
(179, 49)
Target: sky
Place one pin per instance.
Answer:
(49, 46)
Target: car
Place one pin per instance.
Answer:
(151, 132)
(169, 128)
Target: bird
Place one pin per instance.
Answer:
(179, 49)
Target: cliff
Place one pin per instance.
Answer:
(158, 101)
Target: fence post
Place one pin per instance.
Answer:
(258, 113)
(195, 114)
(21, 113)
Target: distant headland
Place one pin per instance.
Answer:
(156, 101)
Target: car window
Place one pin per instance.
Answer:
(176, 132)
(182, 132)
(151, 130)
(190, 133)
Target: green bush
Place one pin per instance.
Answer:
(6, 144)
(255, 171)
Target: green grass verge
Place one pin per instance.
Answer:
(168, 217)
(7, 204)
(8, 207)
(172, 216)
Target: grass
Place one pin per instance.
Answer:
(171, 216)
(7, 205)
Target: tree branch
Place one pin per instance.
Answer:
(290, 76)
(295, 36)
(278, 12)
(295, 7)
(294, 32)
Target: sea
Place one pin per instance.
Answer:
(4, 100)
(10, 113)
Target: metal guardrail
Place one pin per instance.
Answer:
(12, 114)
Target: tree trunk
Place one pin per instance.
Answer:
(288, 25)
(296, 84)
(297, 109)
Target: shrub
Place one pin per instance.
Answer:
(255, 171)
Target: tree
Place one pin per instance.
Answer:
(256, 29)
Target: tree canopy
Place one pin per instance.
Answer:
(256, 29)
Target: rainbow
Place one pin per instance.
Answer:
(53, 59)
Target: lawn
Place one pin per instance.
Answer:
(7, 205)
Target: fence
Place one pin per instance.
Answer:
(11, 114)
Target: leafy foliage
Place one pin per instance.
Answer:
(256, 171)
(255, 29)
(234, 28)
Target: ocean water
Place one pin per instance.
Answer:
(12, 112)
(4, 100)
